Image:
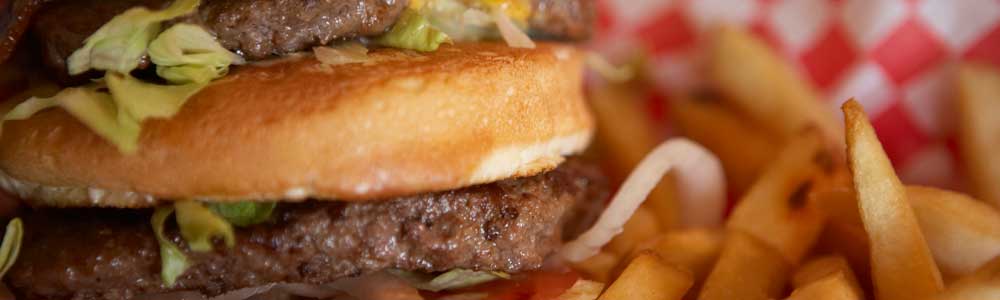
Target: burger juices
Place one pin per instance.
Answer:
(347, 149)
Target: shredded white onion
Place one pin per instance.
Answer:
(700, 189)
(510, 33)
(346, 53)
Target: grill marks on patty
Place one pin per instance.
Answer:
(510, 226)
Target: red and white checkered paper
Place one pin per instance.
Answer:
(897, 57)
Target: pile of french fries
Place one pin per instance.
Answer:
(820, 212)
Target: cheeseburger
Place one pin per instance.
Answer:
(277, 149)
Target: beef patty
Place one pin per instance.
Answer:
(257, 29)
(510, 226)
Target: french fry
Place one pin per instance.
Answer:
(747, 269)
(844, 233)
(978, 105)
(743, 149)
(984, 284)
(649, 277)
(821, 268)
(776, 209)
(835, 286)
(642, 226)
(695, 250)
(756, 81)
(963, 233)
(598, 267)
(902, 265)
(625, 138)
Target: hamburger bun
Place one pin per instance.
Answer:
(401, 123)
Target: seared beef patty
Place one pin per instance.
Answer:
(258, 29)
(509, 226)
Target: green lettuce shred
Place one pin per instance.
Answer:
(94, 109)
(199, 225)
(11, 245)
(451, 280)
(138, 100)
(119, 44)
(186, 53)
(173, 262)
(191, 58)
(413, 31)
(245, 213)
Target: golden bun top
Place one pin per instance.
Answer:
(402, 123)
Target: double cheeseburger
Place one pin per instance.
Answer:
(179, 149)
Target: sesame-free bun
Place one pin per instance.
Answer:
(402, 123)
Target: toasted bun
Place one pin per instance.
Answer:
(403, 123)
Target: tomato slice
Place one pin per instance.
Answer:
(535, 285)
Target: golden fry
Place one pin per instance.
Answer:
(695, 250)
(835, 286)
(743, 150)
(978, 106)
(748, 269)
(902, 265)
(844, 233)
(984, 284)
(598, 267)
(776, 209)
(642, 226)
(761, 84)
(963, 233)
(822, 267)
(649, 277)
(625, 137)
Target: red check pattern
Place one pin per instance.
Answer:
(895, 56)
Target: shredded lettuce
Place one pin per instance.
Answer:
(116, 116)
(186, 56)
(28, 108)
(475, 20)
(140, 100)
(11, 245)
(173, 262)
(186, 53)
(120, 44)
(245, 213)
(199, 226)
(454, 279)
(413, 31)
(94, 109)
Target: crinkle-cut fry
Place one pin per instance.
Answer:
(757, 81)
(977, 106)
(649, 277)
(963, 233)
(776, 209)
(902, 264)
(747, 269)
